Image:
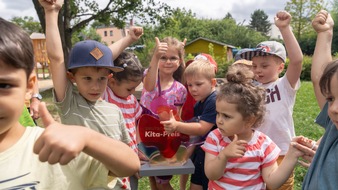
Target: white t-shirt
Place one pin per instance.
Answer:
(21, 169)
(278, 122)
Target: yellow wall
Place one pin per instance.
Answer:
(202, 46)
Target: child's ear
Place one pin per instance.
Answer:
(30, 83)
(213, 82)
(281, 67)
(70, 76)
(250, 121)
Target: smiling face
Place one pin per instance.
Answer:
(267, 68)
(91, 81)
(13, 88)
(169, 62)
(230, 122)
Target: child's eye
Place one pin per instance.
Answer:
(5, 86)
(87, 78)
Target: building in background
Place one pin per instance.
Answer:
(111, 34)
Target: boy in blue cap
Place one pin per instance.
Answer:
(77, 156)
(268, 60)
(89, 67)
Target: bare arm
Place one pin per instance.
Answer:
(194, 128)
(54, 47)
(134, 34)
(149, 81)
(34, 102)
(282, 21)
(62, 143)
(323, 25)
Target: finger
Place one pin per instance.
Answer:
(157, 41)
(44, 153)
(184, 41)
(66, 158)
(235, 138)
(46, 117)
(304, 164)
(54, 156)
(172, 116)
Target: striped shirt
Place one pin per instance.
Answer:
(244, 172)
(131, 111)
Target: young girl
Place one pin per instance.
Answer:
(238, 156)
(121, 87)
(165, 72)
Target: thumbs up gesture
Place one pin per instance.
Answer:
(170, 125)
(58, 143)
(161, 48)
(235, 149)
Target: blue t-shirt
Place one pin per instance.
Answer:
(206, 111)
(323, 172)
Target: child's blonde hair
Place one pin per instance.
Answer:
(239, 89)
(200, 67)
(174, 42)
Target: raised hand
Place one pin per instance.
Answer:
(135, 32)
(51, 4)
(161, 48)
(282, 19)
(322, 22)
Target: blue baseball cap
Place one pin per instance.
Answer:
(90, 53)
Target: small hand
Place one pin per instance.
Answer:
(235, 149)
(282, 19)
(51, 4)
(58, 143)
(322, 22)
(170, 125)
(161, 48)
(135, 32)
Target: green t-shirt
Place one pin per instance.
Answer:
(25, 119)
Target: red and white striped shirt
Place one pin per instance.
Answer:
(131, 111)
(244, 172)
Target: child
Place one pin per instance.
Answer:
(201, 82)
(268, 61)
(120, 92)
(322, 173)
(58, 144)
(90, 65)
(187, 112)
(121, 88)
(237, 156)
(165, 73)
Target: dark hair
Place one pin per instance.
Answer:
(16, 49)
(171, 41)
(239, 89)
(325, 81)
(133, 69)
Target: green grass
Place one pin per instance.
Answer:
(305, 111)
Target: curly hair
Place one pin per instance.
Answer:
(133, 69)
(239, 89)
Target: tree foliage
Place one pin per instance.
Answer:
(259, 22)
(303, 11)
(76, 14)
(28, 24)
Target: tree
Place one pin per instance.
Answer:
(28, 24)
(302, 12)
(76, 14)
(259, 22)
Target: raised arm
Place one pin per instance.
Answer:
(134, 34)
(282, 21)
(54, 47)
(323, 25)
(149, 81)
(62, 143)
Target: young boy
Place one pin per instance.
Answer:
(201, 82)
(90, 65)
(58, 144)
(268, 61)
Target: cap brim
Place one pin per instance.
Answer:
(243, 61)
(248, 55)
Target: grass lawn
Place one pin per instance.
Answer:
(305, 111)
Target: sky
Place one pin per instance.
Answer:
(240, 10)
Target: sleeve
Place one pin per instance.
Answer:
(124, 131)
(209, 112)
(181, 95)
(271, 152)
(211, 143)
(323, 118)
